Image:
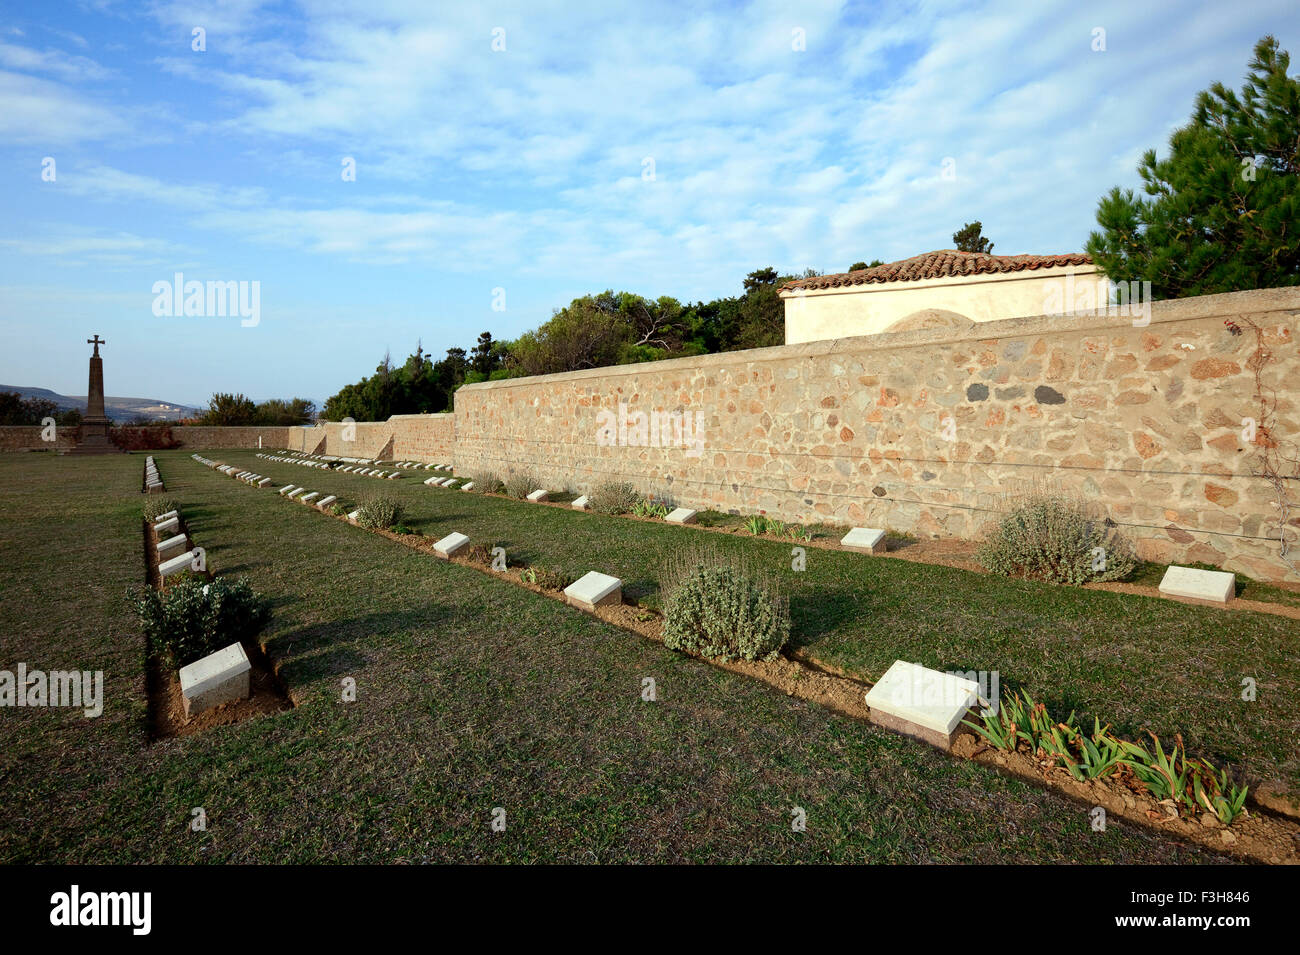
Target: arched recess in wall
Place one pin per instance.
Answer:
(931, 318)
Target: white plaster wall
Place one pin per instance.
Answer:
(822, 314)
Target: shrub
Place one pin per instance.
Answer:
(1195, 785)
(521, 483)
(613, 497)
(650, 508)
(152, 437)
(756, 524)
(194, 617)
(718, 606)
(480, 554)
(379, 511)
(548, 578)
(154, 506)
(486, 482)
(1052, 539)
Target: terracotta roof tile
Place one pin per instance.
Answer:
(944, 263)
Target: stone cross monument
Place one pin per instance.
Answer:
(94, 424)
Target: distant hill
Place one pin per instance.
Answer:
(118, 409)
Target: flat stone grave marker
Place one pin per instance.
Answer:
(594, 590)
(579, 503)
(428, 482)
(450, 544)
(287, 488)
(1190, 585)
(467, 486)
(864, 540)
(163, 517)
(307, 498)
(681, 515)
(217, 678)
(176, 564)
(922, 703)
(447, 482)
(327, 501)
(538, 495)
(354, 515)
(167, 526)
(293, 494)
(264, 482)
(171, 543)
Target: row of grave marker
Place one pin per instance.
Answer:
(152, 479)
(248, 477)
(219, 677)
(1185, 584)
(909, 698)
(359, 470)
(302, 457)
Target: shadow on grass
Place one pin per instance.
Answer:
(311, 653)
(816, 611)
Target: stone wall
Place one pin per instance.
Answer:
(418, 437)
(929, 431)
(28, 438)
(198, 438)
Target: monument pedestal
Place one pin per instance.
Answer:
(94, 439)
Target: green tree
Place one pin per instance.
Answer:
(589, 332)
(17, 410)
(1224, 206)
(969, 239)
(277, 411)
(859, 266)
(226, 410)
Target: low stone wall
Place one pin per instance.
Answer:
(28, 438)
(429, 438)
(200, 438)
(22, 438)
(929, 431)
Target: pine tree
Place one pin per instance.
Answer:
(1224, 207)
(968, 238)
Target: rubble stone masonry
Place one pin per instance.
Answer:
(932, 431)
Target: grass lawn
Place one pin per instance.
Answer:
(472, 694)
(1137, 662)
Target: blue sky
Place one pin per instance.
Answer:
(525, 169)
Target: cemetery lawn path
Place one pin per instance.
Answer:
(472, 694)
(1140, 663)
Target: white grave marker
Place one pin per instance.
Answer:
(865, 540)
(217, 678)
(923, 703)
(1189, 585)
(450, 544)
(594, 590)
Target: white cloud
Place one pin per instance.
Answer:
(41, 112)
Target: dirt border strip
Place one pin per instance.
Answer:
(954, 561)
(164, 708)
